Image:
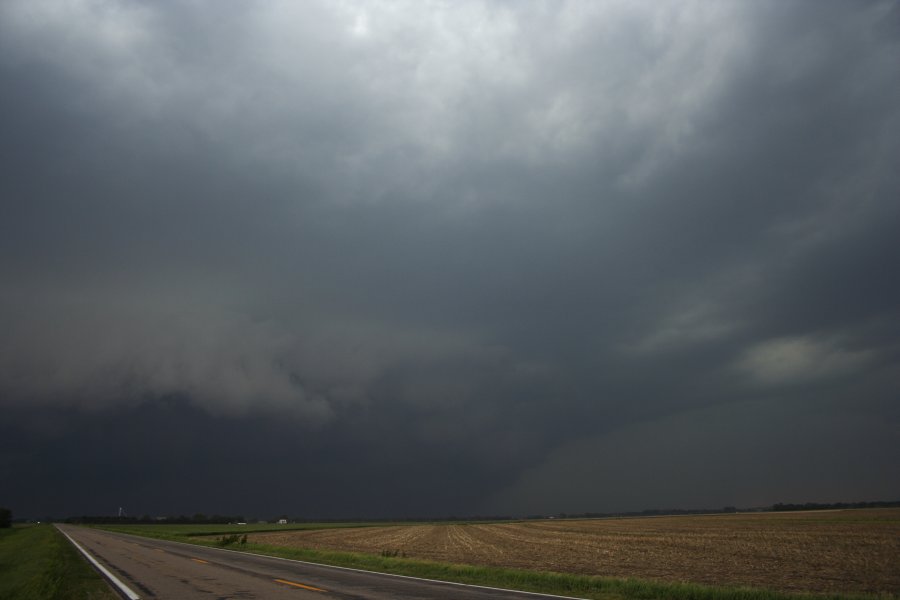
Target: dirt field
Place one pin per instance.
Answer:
(822, 551)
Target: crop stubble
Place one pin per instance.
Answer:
(821, 551)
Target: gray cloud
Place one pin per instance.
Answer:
(481, 236)
(692, 457)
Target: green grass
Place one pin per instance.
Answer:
(179, 532)
(37, 562)
(182, 531)
(564, 584)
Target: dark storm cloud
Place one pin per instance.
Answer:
(468, 253)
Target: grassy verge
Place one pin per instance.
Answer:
(37, 562)
(179, 532)
(563, 584)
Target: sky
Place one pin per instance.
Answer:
(407, 259)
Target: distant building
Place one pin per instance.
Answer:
(282, 521)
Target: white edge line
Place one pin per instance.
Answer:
(129, 593)
(306, 562)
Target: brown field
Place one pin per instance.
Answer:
(821, 551)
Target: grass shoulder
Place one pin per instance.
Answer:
(37, 562)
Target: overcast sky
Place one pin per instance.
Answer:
(335, 259)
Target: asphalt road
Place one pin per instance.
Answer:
(172, 570)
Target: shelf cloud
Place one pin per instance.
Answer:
(458, 253)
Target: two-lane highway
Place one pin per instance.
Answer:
(161, 569)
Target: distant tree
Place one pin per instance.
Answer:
(5, 518)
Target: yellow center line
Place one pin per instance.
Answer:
(300, 585)
(199, 560)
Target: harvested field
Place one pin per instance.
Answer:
(821, 551)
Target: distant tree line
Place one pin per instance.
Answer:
(201, 519)
(454, 518)
(198, 519)
(5, 518)
(834, 505)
